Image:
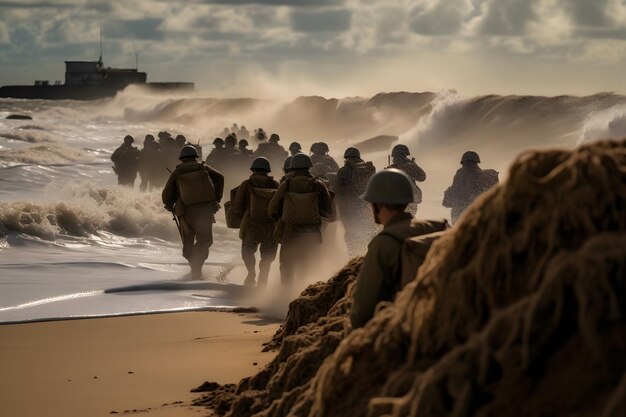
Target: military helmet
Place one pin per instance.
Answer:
(218, 141)
(128, 139)
(324, 147)
(188, 151)
(180, 139)
(287, 163)
(300, 161)
(231, 140)
(389, 186)
(260, 163)
(274, 137)
(352, 153)
(470, 156)
(243, 143)
(148, 138)
(295, 146)
(400, 151)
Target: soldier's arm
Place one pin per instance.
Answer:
(115, 155)
(334, 164)
(170, 193)
(218, 182)
(420, 174)
(239, 204)
(369, 284)
(326, 203)
(276, 203)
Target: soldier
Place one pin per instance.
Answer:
(260, 134)
(350, 185)
(225, 132)
(323, 164)
(469, 182)
(180, 141)
(126, 160)
(299, 206)
(235, 129)
(286, 169)
(399, 153)
(272, 150)
(244, 133)
(230, 146)
(243, 148)
(295, 148)
(388, 192)
(215, 156)
(257, 226)
(193, 193)
(148, 155)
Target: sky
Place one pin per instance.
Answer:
(338, 48)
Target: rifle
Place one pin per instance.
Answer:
(180, 230)
(388, 160)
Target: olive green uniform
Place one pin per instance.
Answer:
(126, 160)
(300, 241)
(380, 277)
(197, 218)
(254, 232)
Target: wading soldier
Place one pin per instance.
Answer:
(193, 193)
(126, 160)
(257, 226)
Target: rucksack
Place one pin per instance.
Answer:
(195, 186)
(301, 208)
(259, 203)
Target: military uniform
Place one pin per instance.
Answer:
(380, 277)
(300, 239)
(254, 230)
(416, 173)
(469, 182)
(275, 153)
(188, 194)
(350, 184)
(323, 165)
(126, 160)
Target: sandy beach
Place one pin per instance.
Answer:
(126, 365)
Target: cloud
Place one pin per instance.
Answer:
(588, 12)
(321, 21)
(505, 17)
(291, 3)
(139, 29)
(439, 17)
(35, 5)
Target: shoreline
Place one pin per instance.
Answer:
(145, 363)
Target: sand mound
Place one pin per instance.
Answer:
(520, 310)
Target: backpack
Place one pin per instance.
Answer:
(259, 203)
(195, 186)
(233, 221)
(301, 208)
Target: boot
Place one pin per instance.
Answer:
(264, 271)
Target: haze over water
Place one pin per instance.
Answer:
(68, 232)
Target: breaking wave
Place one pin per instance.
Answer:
(46, 155)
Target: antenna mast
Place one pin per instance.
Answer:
(100, 63)
(136, 61)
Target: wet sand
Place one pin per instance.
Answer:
(142, 365)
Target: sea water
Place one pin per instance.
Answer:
(75, 244)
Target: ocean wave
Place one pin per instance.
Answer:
(46, 155)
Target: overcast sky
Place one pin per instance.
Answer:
(329, 47)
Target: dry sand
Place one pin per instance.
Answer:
(94, 367)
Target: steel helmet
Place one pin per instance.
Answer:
(188, 151)
(352, 153)
(315, 148)
(287, 163)
(218, 141)
(324, 147)
(128, 139)
(400, 151)
(274, 137)
(231, 141)
(389, 186)
(470, 156)
(300, 161)
(148, 138)
(243, 143)
(295, 146)
(260, 164)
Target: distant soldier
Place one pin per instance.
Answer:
(243, 148)
(380, 278)
(299, 206)
(272, 150)
(323, 164)
(235, 129)
(225, 132)
(148, 156)
(469, 182)
(126, 162)
(257, 226)
(295, 148)
(400, 161)
(180, 141)
(230, 146)
(243, 133)
(260, 134)
(350, 185)
(214, 157)
(193, 193)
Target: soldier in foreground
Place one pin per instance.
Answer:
(469, 182)
(257, 226)
(350, 185)
(299, 206)
(388, 192)
(193, 193)
(126, 160)
(400, 161)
